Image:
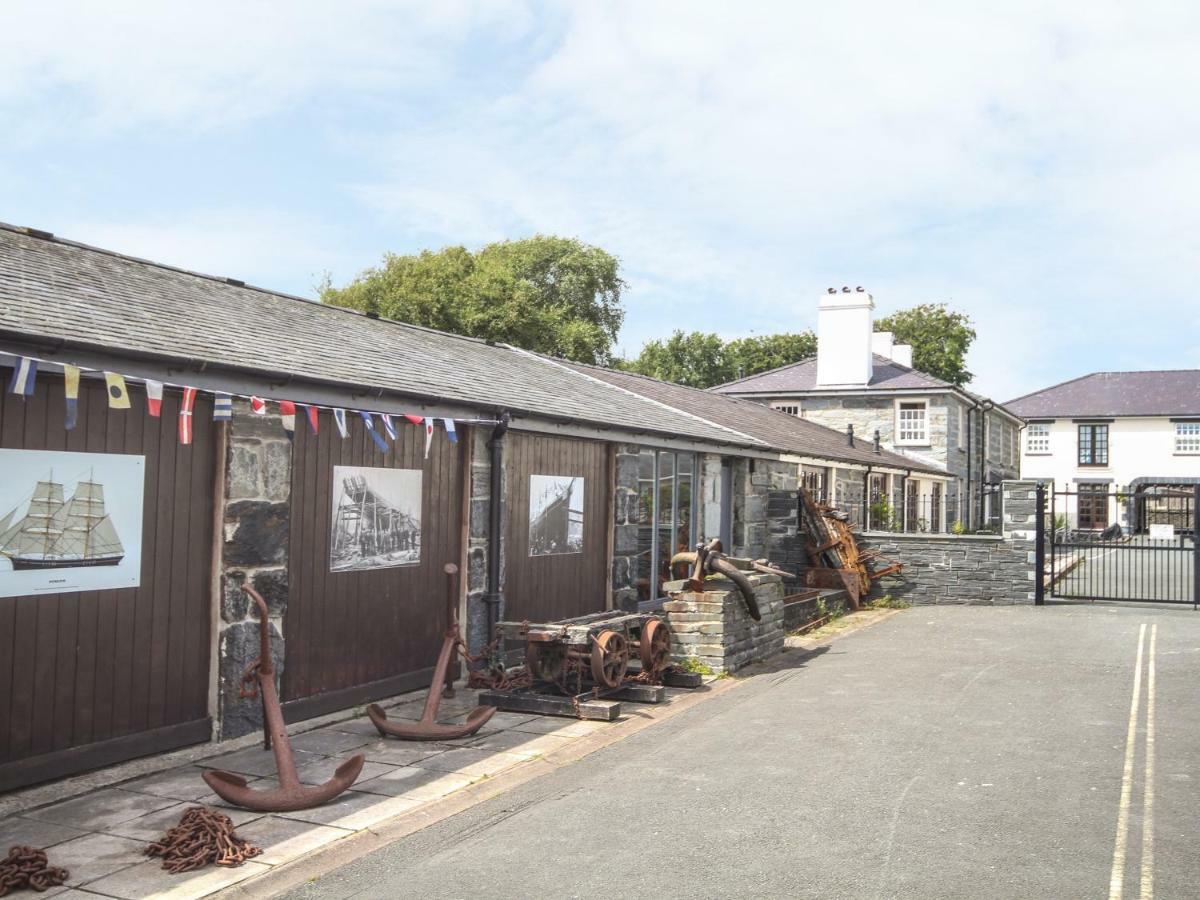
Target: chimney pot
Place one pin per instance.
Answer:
(850, 434)
(831, 290)
(859, 289)
(845, 290)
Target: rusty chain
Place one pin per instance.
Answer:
(203, 836)
(27, 867)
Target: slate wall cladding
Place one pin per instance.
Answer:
(971, 569)
(785, 546)
(625, 529)
(756, 528)
(254, 550)
(714, 628)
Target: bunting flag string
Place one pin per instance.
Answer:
(258, 406)
(71, 392)
(222, 408)
(287, 412)
(339, 418)
(154, 398)
(185, 415)
(118, 394)
(428, 435)
(450, 432)
(23, 377)
(369, 421)
(310, 413)
(388, 426)
(416, 420)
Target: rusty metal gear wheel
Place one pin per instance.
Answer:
(654, 648)
(610, 658)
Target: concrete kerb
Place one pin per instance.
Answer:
(313, 865)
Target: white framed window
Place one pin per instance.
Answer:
(962, 427)
(792, 409)
(1037, 438)
(1187, 437)
(912, 422)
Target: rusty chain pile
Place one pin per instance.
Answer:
(493, 675)
(27, 867)
(203, 836)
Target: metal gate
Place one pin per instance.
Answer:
(1100, 542)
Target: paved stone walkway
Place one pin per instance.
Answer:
(101, 837)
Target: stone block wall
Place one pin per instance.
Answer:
(761, 520)
(255, 526)
(714, 628)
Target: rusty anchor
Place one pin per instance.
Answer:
(708, 559)
(428, 728)
(291, 794)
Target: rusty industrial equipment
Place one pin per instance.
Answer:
(291, 794)
(428, 729)
(835, 559)
(202, 837)
(709, 559)
(28, 867)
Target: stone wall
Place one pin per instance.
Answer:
(715, 629)
(785, 545)
(255, 549)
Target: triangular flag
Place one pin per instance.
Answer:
(23, 377)
(258, 406)
(388, 426)
(185, 415)
(118, 395)
(222, 408)
(154, 397)
(287, 411)
(311, 413)
(428, 435)
(450, 432)
(416, 420)
(380, 443)
(339, 418)
(71, 388)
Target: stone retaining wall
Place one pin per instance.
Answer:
(714, 628)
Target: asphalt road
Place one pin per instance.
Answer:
(946, 752)
(1139, 569)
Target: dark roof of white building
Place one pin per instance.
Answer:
(801, 377)
(1112, 394)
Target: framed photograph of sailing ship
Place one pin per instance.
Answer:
(555, 514)
(376, 518)
(70, 521)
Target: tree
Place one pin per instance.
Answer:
(695, 359)
(548, 294)
(751, 355)
(940, 339)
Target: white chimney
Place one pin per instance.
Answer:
(844, 337)
(881, 343)
(902, 353)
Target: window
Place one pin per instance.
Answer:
(1187, 437)
(1093, 445)
(910, 422)
(1092, 501)
(962, 428)
(792, 409)
(664, 516)
(1006, 441)
(1037, 438)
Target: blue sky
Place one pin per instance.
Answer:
(1034, 165)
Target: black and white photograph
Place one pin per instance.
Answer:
(69, 521)
(555, 514)
(376, 518)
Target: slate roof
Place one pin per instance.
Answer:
(779, 429)
(887, 375)
(1112, 394)
(58, 290)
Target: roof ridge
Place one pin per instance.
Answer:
(562, 365)
(235, 283)
(1051, 387)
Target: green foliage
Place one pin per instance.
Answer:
(940, 339)
(958, 528)
(887, 601)
(692, 664)
(701, 360)
(548, 294)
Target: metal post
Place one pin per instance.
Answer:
(1039, 556)
(1195, 546)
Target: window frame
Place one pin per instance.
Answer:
(924, 440)
(1031, 435)
(1187, 433)
(1094, 446)
(790, 407)
(962, 428)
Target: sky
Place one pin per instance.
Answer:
(1033, 165)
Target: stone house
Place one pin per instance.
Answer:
(335, 462)
(862, 380)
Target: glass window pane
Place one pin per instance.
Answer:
(685, 515)
(644, 577)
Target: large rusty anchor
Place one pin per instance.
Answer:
(428, 728)
(708, 559)
(291, 794)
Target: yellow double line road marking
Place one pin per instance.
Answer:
(1116, 884)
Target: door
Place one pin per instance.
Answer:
(557, 530)
(369, 535)
(1093, 507)
(91, 677)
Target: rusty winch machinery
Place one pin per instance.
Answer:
(709, 559)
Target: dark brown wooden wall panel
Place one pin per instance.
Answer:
(559, 586)
(347, 629)
(81, 668)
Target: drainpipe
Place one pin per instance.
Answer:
(970, 442)
(984, 407)
(867, 499)
(496, 488)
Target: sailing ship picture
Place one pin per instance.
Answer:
(555, 514)
(71, 521)
(376, 518)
